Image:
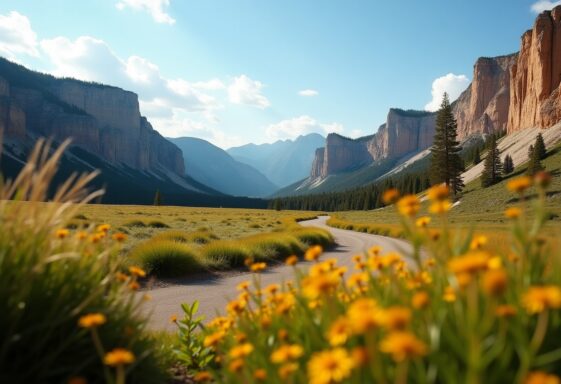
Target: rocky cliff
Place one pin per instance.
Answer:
(484, 106)
(103, 120)
(535, 99)
(404, 132)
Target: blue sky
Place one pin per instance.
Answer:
(238, 71)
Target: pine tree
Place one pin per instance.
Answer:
(539, 147)
(477, 156)
(446, 163)
(534, 163)
(157, 198)
(492, 167)
(508, 165)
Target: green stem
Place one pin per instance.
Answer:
(101, 353)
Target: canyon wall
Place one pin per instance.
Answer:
(535, 99)
(101, 119)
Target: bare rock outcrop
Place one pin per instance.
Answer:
(536, 75)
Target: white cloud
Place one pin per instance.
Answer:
(156, 8)
(246, 91)
(211, 85)
(544, 5)
(17, 36)
(356, 133)
(302, 125)
(452, 84)
(308, 92)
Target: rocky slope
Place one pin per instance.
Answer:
(214, 167)
(101, 119)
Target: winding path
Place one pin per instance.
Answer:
(214, 292)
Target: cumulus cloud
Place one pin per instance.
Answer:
(452, 84)
(297, 126)
(156, 9)
(246, 91)
(544, 5)
(16, 36)
(308, 92)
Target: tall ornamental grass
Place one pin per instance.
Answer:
(67, 310)
(450, 311)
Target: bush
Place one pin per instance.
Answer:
(273, 246)
(187, 237)
(167, 258)
(157, 224)
(51, 276)
(135, 224)
(225, 253)
(313, 236)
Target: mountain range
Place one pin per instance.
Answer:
(512, 93)
(284, 161)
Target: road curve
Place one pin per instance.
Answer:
(213, 292)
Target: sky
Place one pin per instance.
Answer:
(239, 71)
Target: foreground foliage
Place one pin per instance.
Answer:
(67, 310)
(451, 310)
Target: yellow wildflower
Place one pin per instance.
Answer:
(122, 277)
(539, 377)
(236, 365)
(260, 374)
(420, 300)
(363, 315)
(449, 295)
(505, 311)
(62, 233)
(440, 207)
(539, 298)
(494, 282)
(258, 267)
(81, 235)
(173, 318)
(243, 286)
(396, 318)
(287, 369)
(137, 271)
(359, 279)
(92, 320)
(403, 345)
(339, 332)
(118, 356)
(291, 260)
(478, 242)
(471, 263)
(513, 212)
(390, 196)
(119, 237)
(241, 350)
(422, 222)
(286, 353)
(104, 228)
(202, 377)
(519, 185)
(408, 205)
(214, 338)
(314, 286)
(313, 253)
(438, 192)
(332, 366)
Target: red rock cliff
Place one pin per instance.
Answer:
(535, 98)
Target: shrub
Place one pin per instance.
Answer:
(225, 253)
(157, 224)
(167, 258)
(313, 236)
(273, 246)
(187, 237)
(135, 224)
(51, 276)
(450, 309)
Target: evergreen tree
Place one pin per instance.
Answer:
(508, 165)
(492, 167)
(477, 156)
(446, 163)
(539, 147)
(157, 198)
(277, 205)
(534, 163)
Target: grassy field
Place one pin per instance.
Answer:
(481, 209)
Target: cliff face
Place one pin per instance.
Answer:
(404, 132)
(535, 97)
(484, 106)
(100, 119)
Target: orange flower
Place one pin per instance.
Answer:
(420, 300)
(214, 338)
(103, 228)
(539, 298)
(62, 233)
(258, 267)
(390, 196)
(539, 377)
(478, 242)
(339, 332)
(119, 237)
(438, 192)
(286, 353)
(173, 318)
(118, 357)
(395, 318)
(260, 375)
(440, 207)
(202, 377)
(243, 286)
(408, 205)
(241, 350)
(331, 366)
(494, 282)
(505, 311)
(363, 315)
(291, 260)
(313, 253)
(471, 263)
(422, 222)
(519, 185)
(403, 345)
(236, 365)
(137, 271)
(92, 320)
(513, 212)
